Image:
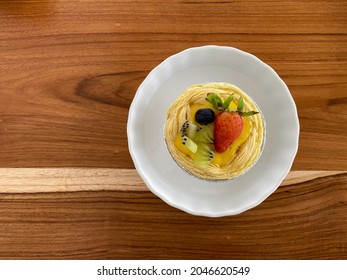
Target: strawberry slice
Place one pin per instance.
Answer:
(227, 127)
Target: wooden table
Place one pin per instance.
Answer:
(68, 73)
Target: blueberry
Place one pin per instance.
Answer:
(204, 116)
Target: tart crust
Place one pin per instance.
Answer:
(247, 154)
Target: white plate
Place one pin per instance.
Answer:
(147, 117)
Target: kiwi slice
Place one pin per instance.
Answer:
(189, 129)
(204, 134)
(203, 155)
(189, 144)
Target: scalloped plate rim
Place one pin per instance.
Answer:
(144, 176)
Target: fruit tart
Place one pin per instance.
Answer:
(214, 131)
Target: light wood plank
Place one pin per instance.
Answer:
(32, 180)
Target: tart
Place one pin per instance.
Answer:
(214, 131)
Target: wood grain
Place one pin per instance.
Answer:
(70, 69)
(68, 72)
(306, 220)
(40, 180)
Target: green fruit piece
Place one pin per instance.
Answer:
(203, 155)
(189, 129)
(204, 134)
(189, 144)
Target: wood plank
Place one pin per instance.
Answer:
(34, 180)
(31, 180)
(303, 220)
(70, 69)
(285, 17)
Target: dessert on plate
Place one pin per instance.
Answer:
(214, 131)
